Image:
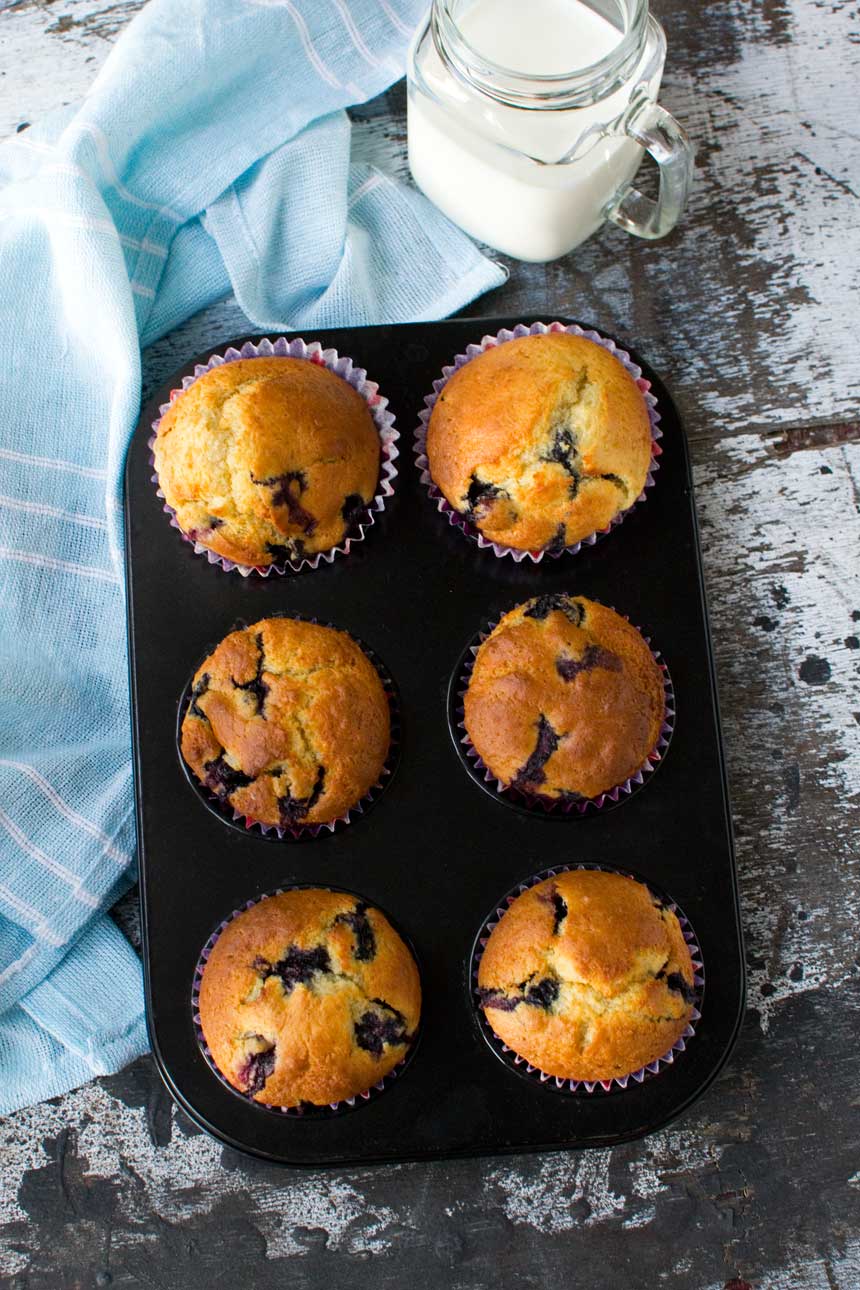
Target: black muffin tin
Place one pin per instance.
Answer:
(436, 851)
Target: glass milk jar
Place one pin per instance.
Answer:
(528, 120)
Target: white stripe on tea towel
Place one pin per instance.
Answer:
(53, 463)
(54, 512)
(68, 812)
(48, 862)
(58, 566)
(39, 928)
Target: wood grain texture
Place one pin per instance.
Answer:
(750, 311)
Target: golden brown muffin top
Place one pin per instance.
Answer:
(540, 441)
(308, 996)
(588, 976)
(265, 460)
(565, 699)
(288, 722)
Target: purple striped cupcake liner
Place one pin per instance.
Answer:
(305, 1110)
(455, 517)
(575, 1087)
(537, 803)
(298, 832)
(282, 347)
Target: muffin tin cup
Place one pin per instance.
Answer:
(282, 347)
(299, 832)
(304, 1109)
(455, 517)
(575, 1087)
(537, 803)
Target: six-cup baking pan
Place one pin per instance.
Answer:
(439, 849)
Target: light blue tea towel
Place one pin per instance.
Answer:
(212, 153)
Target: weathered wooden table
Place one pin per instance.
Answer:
(750, 310)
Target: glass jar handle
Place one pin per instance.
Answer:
(668, 143)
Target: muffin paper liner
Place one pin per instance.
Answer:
(455, 517)
(572, 1086)
(298, 832)
(282, 347)
(304, 1109)
(537, 802)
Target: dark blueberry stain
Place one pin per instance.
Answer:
(542, 994)
(365, 941)
(213, 523)
(825, 470)
(543, 606)
(791, 781)
(815, 670)
(796, 973)
(533, 771)
(283, 495)
(354, 507)
(373, 1031)
(675, 981)
(498, 999)
(292, 809)
(557, 542)
(282, 553)
(563, 451)
(480, 496)
(559, 905)
(766, 624)
(852, 642)
(569, 795)
(197, 693)
(780, 596)
(297, 967)
(616, 480)
(223, 779)
(257, 686)
(594, 656)
(256, 1070)
(22, 125)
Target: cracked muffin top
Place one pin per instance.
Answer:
(587, 976)
(308, 996)
(565, 699)
(540, 442)
(266, 460)
(288, 723)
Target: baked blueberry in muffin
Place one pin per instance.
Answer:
(540, 442)
(266, 460)
(308, 996)
(565, 699)
(287, 722)
(587, 976)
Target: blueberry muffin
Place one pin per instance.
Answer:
(565, 699)
(308, 996)
(266, 460)
(288, 722)
(540, 442)
(587, 976)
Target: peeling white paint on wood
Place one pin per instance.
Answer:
(183, 1178)
(781, 537)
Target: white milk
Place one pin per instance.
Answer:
(539, 37)
(533, 183)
